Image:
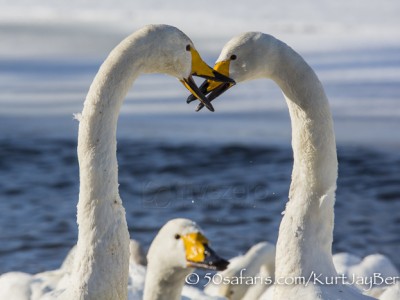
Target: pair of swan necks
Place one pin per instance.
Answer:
(304, 237)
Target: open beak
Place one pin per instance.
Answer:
(201, 69)
(196, 93)
(200, 255)
(212, 87)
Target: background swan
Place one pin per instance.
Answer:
(372, 266)
(257, 262)
(137, 254)
(306, 231)
(263, 254)
(178, 247)
(100, 268)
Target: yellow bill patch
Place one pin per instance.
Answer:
(194, 246)
(199, 67)
(221, 67)
(190, 89)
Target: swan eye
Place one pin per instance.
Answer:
(177, 236)
(188, 48)
(233, 57)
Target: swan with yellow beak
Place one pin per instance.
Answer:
(179, 246)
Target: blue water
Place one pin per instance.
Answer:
(236, 192)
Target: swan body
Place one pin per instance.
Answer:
(257, 262)
(306, 231)
(15, 284)
(100, 268)
(370, 266)
(137, 254)
(391, 292)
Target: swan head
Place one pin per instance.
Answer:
(180, 245)
(249, 56)
(173, 53)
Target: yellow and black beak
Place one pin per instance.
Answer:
(200, 255)
(201, 69)
(212, 87)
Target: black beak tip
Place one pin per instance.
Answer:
(191, 98)
(214, 261)
(199, 107)
(221, 264)
(210, 108)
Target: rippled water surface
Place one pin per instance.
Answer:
(235, 192)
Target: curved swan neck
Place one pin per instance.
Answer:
(164, 283)
(313, 138)
(101, 264)
(306, 232)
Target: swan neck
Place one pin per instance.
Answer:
(306, 232)
(101, 265)
(164, 283)
(313, 138)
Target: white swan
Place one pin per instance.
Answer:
(244, 274)
(100, 269)
(263, 254)
(391, 292)
(372, 266)
(306, 231)
(137, 254)
(179, 247)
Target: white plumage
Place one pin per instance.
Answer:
(304, 245)
(101, 259)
